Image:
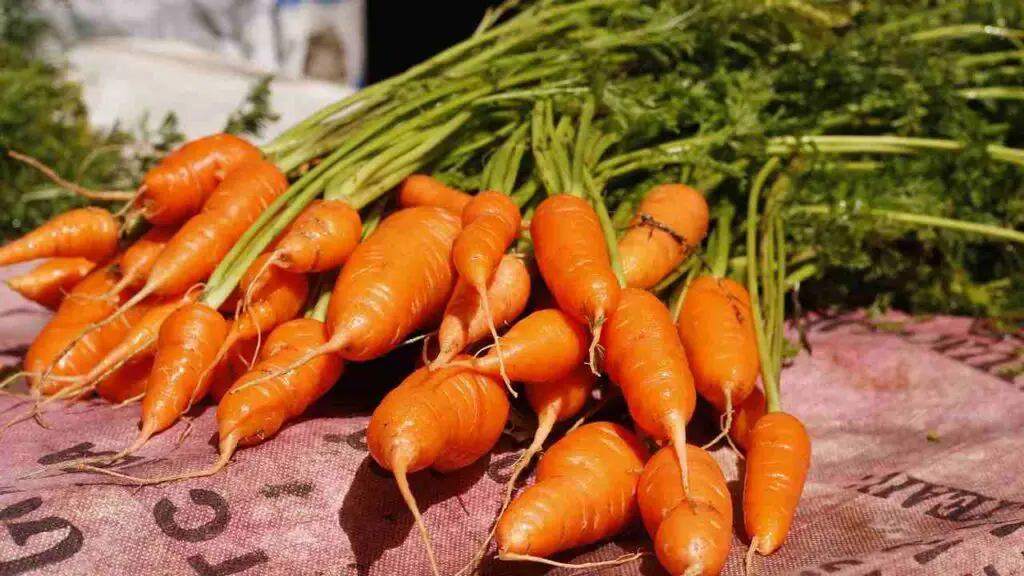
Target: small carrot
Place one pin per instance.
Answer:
(240, 359)
(127, 382)
(644, 357)
(445, 420)
(465, 320)
(778, 457)
(89, 233)
(490, 224)
(670, 223)
(177, 188)
(717, 332)
(250, 413)
(585, 491)
(138, 259)
(424, 190)
(48, 283)
(573, 258)
(542, 347)
(395, 282)
(691, 536)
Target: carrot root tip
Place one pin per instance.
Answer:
(748, 561)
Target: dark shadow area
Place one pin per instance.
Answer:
(634, 539)
(375, 518)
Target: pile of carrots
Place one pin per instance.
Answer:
(557, 303)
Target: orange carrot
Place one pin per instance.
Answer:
(47, 283)
(671, 221)
(177, 188)
(691, 537)
(127, 382)
(585, 492)
(717, 331)
(241, 358)
(543, 347)
(778, 456)
(747, 414)
(89, 233)
(321, 238)
(138, 259)
(423, 190)
(644, 357)
(445, 420)
(490, 224)
(465, 320)
(573, 258)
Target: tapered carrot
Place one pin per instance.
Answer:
(139, 258)
(395, 282)
(644, 357)
(424, 190)
(89, 233)
(778, 457)
(48, 283)
(177, 188)
(747, 414)
(465, 321)
(572, 256)
(717, 331)
(670, 223)
(127, 382)
(691, 536)
(542, 347)
(252, 412)
(490, 224)
(444, 420)
(585, 491)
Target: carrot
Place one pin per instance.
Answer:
(585, 491)
(138, 259)
(196, 248)
(127, 382)
(424, 190)
(89, 233)
(644, 357)
(573, 258)
(690, 537)
(241, 358)
(321, 238)
(490, 224)
(747, 414)
(671, 221)
(717, 332)
(778, 457)
(446, 420)
(177, 188)
(47, 283)
(465, 321)
(395, 282)
(542, 347)
(250, 413)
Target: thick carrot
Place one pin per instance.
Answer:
(321, 238)
(691, 536)
(644, 357)
(395, 282)
(89, 233)
(671, 221)
(177, 188)
(717, 330)
(48, 283)
(571, 253)
(444, 420)
(139, 258)
(585, 491)
(424, 190)
(127, 382)
(747, 414)
(778, 457)
(490, 224)
(542, 347)
(465, 321)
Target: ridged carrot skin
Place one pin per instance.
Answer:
(128, 381)
(563, 398)
(746, 416)
(90, 233)
(649, 252)
(542, 347)
(177, 188)
(48, 283)
(396, 281)
(490, 223)
(686, 538)
(717, 330)
(424, 190)
(280, 299)
(252, 414)
(465, 322)
(321, 238)
(238, 361)
(585, 491)
(778, 457)
(138, 259)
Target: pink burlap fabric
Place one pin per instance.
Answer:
(918, 469)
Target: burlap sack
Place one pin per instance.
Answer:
(918, 469)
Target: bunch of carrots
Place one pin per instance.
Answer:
(251, 277)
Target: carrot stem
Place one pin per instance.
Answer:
(768, 374)
(989, 230)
